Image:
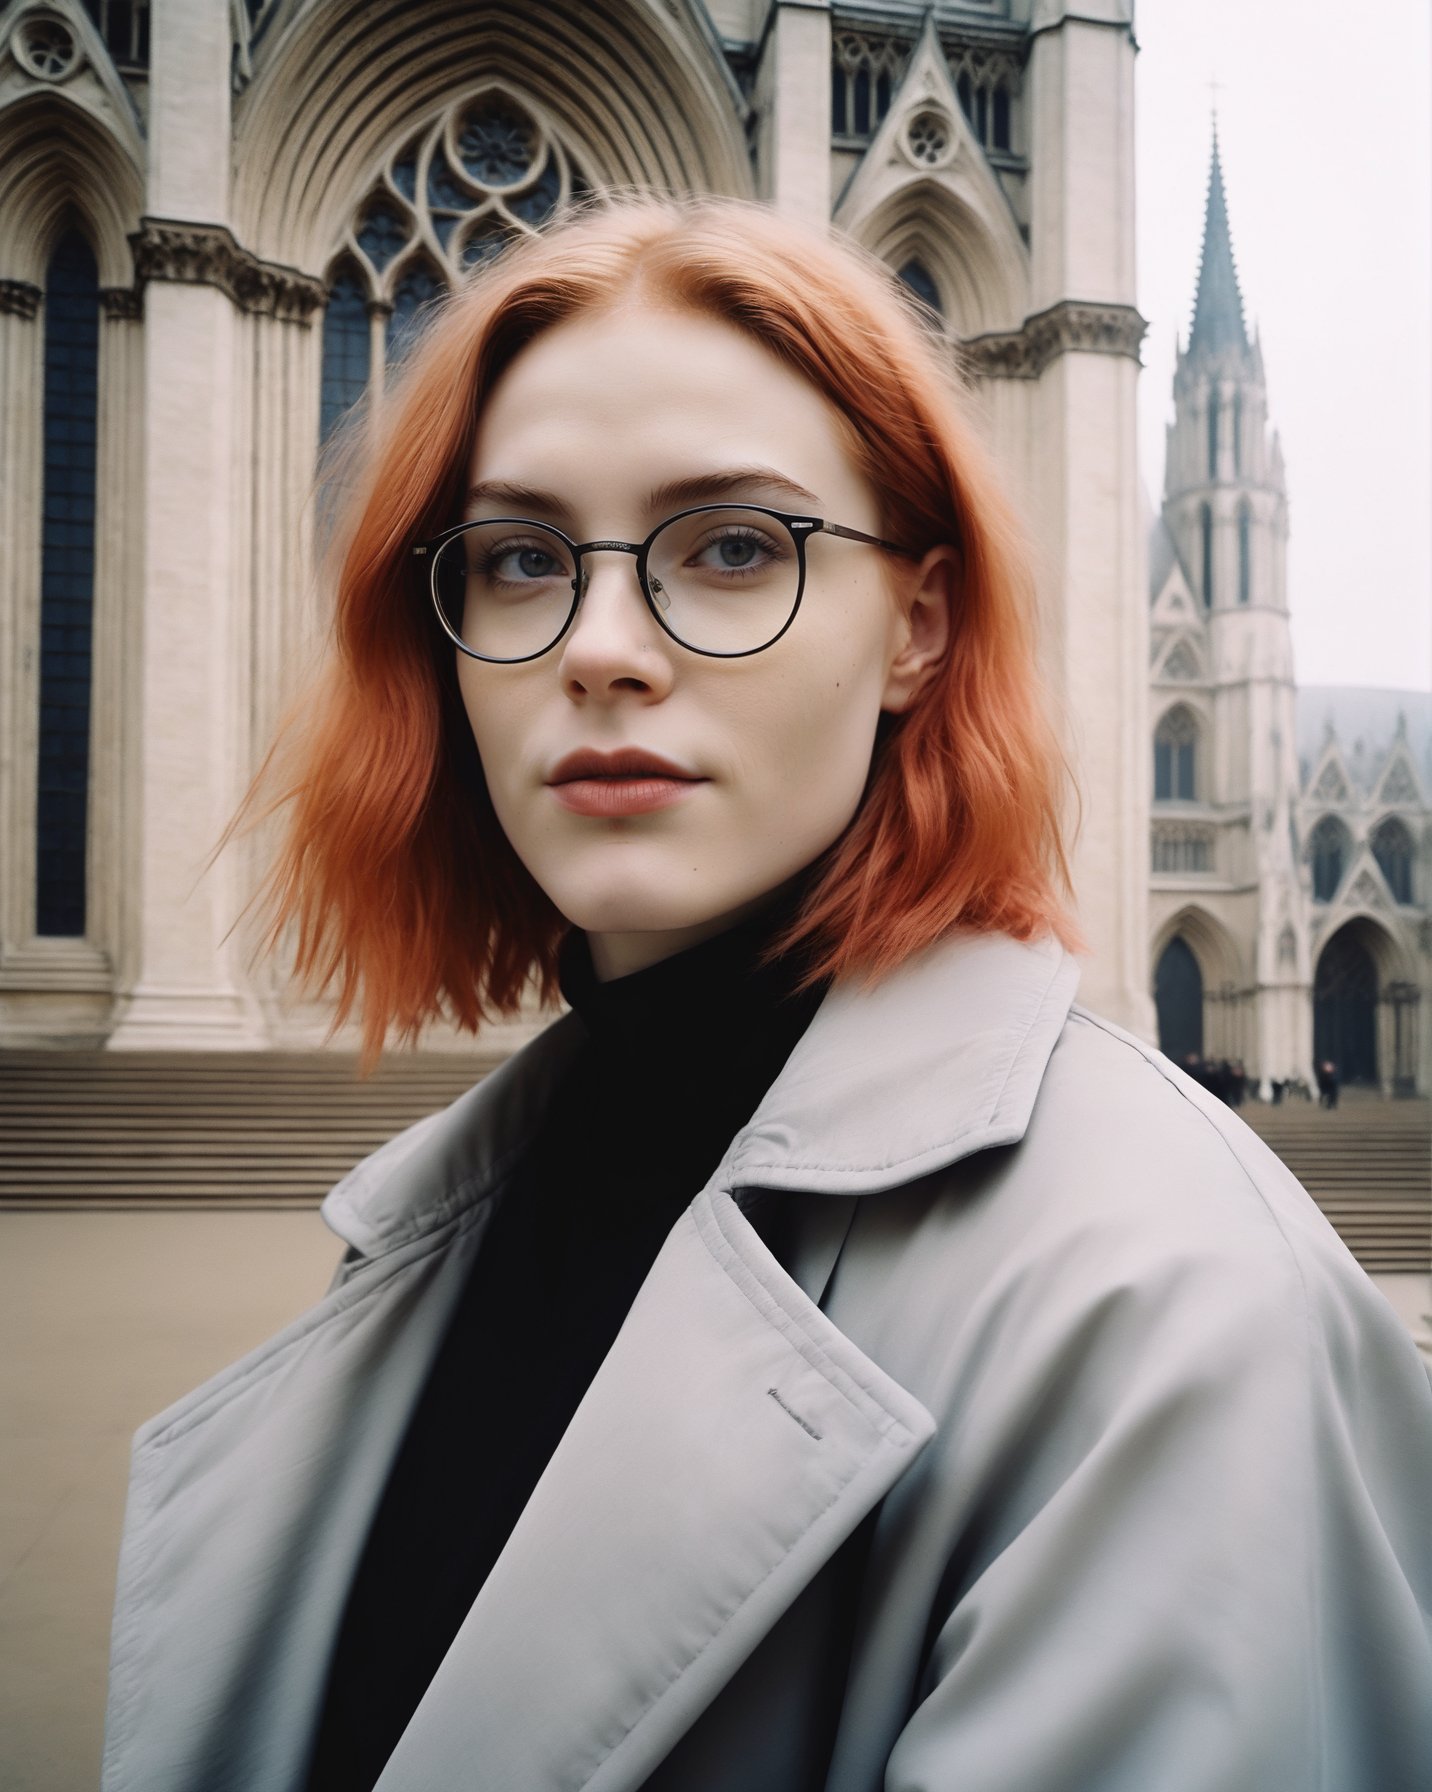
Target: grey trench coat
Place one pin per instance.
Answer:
(1141, 1461)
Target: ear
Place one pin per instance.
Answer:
(924, 637)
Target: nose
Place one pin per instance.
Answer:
(614, 644)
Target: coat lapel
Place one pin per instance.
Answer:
(731, 1441)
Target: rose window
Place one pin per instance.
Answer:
(929, 138)
(446, 200)
(46, 47)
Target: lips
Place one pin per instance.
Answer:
(628, 781)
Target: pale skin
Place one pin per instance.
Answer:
(599, 414)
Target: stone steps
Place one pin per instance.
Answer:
(274, 1130)
(1368, 1164)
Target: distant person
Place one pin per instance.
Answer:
(1327, 1073)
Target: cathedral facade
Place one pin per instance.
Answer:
(219, 225)
(1291, 832)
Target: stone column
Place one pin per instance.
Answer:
(794, 95)
(1081, 98)
(184, 992)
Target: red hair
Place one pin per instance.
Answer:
(406, 897)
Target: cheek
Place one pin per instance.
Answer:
(807, 744)
(494, 714)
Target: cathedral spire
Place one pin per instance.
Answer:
(1218, 308)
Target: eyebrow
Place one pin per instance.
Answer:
(671, 495)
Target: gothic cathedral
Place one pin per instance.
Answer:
(220, 225)
(1288, 907)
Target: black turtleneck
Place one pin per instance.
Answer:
(675, 1060)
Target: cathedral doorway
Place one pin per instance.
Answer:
(1345, 1007)
(1178, 999)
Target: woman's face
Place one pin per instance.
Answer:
(604, 426)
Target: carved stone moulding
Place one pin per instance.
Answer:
(18, 298)
(123, 303)
(1073, 325)
(208, 255)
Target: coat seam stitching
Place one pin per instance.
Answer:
(346, 1297)
(862, 1462)
(889, 1424)
(985, 1121)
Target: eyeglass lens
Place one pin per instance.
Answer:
(721, 581)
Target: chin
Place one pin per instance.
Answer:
(635, 912)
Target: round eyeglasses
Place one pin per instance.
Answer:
(721, 579)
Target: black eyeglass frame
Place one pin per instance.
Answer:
(799, 527)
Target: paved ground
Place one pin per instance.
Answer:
(105, 1318)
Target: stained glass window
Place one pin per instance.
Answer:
(418, 287)
(1176, 758)
(71, 317)
(447, 200)
(1329, 851)
(918, 278)
(1392, 848)
(347, 339)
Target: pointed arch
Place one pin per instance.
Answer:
(71, 194)
(1219, 962)
(632, 95)
(1177, 740)
(925, 190)
(1329, 852)
(1392, 847)
(61, 167)
(417, 286)
(926, 224)
(1178, 1001)
(1181, 659)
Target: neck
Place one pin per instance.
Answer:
(620, 954)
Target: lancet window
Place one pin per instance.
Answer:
(864, 73)
(446, 200)
(1176, 758)
(1245, 553)
(988, 82)
(66, 586)
(1328, 848)
(1392, 848)
(124, 26)
(921, 282)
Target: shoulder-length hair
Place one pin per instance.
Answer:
(404, 896)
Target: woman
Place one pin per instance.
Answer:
(826, 1358)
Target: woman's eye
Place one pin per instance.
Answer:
(741, 552)
(518, 564)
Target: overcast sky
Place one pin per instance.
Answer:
(1325, 125)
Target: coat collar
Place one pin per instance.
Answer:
(940, 1059)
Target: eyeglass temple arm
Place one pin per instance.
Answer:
(873, 541)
